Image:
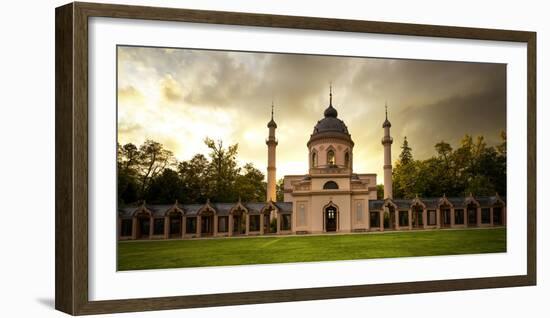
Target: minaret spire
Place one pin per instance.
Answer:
(271, 142)
(386, 122)
(387, 140)
(271, 123)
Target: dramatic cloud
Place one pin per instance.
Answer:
(180, 96)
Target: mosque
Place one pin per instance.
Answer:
(329, 198)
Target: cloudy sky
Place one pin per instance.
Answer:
(180, 96)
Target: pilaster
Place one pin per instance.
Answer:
(424, 218)
(262, 217)
(452, 217)
(199, 225)
(247, 224)
(151, 226)
(396, 211)
(230, 225)
(183, 226)
(134, 228)
(215, 221)
(166, 227)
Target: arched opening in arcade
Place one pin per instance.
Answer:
(175, 221)
(389, 217)
(239, 221)
(143, 225)
(417, 216)
(445, 215)
(472, 214)
(207, 223)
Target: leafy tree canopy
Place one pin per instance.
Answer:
(472, 167)
(151, 172)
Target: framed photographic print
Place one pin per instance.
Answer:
(211, 158)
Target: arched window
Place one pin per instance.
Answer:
(346, 159)
(331, 159)
(314, 159)
(330, 185)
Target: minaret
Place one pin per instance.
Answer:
(271, 143)
(386, 142)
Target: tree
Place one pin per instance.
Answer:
(500, 178)
(127, 188)
(406, 153)
(166, 188)
(127, 174)
(279, 190)
(153, 159)
(444, 170)
(472, 167)
(404, 174)
(151, 172)
(492, 167)
(195, 179)
(379, 191)
(404, 177)
(222, 169)
(480, 185)
(501, 148)
(250, 185)
(444, 150)
(128, 156)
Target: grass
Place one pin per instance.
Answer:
(134, 255)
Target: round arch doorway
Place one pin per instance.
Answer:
(331, 218)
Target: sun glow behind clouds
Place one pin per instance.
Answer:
(180, 96)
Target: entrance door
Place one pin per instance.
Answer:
(330, 219)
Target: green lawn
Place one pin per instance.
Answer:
(134, 255)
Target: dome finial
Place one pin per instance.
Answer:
(272, 109)
(330, 111)
(330, 94)
(386, 110)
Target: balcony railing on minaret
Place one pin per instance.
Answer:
(270, 140)
(387, 140)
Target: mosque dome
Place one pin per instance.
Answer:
(330, 126)
(330, 145)
(330, 123)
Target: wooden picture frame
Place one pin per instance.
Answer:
(71, 155)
